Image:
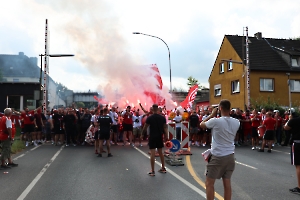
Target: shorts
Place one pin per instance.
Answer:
(220, 167)
(28, 128)
(127, 127)
(6, 148)
(96, 135)
(104, 136)
(155, 143)
(269, 135)
(59, 131)
(114, 128)
(254, 132)
(295, 154)
(194, 130)
(38, 129)
(137, 131)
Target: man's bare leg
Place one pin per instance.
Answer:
(210, 188)
(227, 188)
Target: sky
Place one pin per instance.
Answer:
(108, 56)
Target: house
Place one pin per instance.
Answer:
(272, 62)
(20, 83)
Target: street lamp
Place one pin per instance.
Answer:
(169, 55)
(288, 82)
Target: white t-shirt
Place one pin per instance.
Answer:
(114, 116)
(139, 119)
(223, 134)
(177, 119)
(8, 123)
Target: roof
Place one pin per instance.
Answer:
(264, 54)
(19, 66)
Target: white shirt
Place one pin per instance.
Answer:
(223, 134)
(8, 123)
(177, 119)
(139, 123)
(114, 116)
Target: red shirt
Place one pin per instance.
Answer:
(270, 123)
(27, 116)
(127, 119)
(256, 121)
(279, 121)
(246, 125)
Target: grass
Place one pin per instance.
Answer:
(17, 146)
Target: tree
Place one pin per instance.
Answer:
(80, 105)
(192, 81)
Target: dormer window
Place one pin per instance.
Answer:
(295, 62)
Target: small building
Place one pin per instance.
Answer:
(271, 62)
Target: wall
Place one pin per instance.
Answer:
(237, 100)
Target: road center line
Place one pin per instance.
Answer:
(245, 165)
(37, 178)
(177, 176)
(16, 158)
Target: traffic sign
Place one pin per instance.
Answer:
(176, 145)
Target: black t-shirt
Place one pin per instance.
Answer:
(194, 121)
(156, 123)
(57, 120)
(104, 122)
(239, 117)
(295, 128)
(86, 120)
(69, 120)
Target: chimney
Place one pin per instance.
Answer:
(258, 35)
(21, 53)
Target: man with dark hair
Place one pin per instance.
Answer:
(127, 125)
(105, 123)
(221, 163)
(293, 125)
(158, 127)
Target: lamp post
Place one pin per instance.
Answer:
(290, 98)
(169, 55)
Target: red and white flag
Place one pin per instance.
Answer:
(189, 100)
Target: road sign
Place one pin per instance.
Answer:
(176, 145)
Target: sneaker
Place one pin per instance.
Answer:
(5, 167)
(109, 155)
(203, 145)
(111, 142)
(132, 145)
(140, 145)
(99, 155)
(151, 173)
(163, 170)
(253, 148)
(26, 144)
(74, 145)
(261, 150)
(67, 145)
(295, 190)
(197, 144)
(269, 151)
(52, 142)
(12, 165)
(35, 144)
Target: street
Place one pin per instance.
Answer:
(56, 172)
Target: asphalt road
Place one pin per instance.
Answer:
(50, 172)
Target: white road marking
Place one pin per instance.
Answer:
(37, 178)
(16, 158)
(177, 176)
(245, 165)
(281, 151)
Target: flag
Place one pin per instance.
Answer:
(189, 100)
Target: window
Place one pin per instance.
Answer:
(295, 62)
(217, 89)
(235, 86)
(229, 65)
(266, 84)
(221, 68)
(295, 85)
